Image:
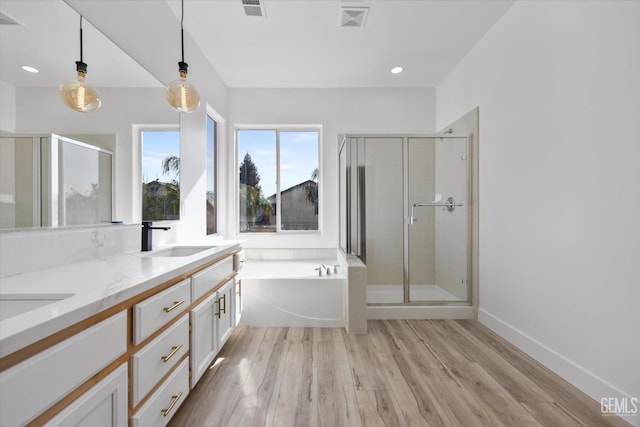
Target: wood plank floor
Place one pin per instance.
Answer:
(402, 373)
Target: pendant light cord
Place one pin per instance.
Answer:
(182, 30)
(81, 39)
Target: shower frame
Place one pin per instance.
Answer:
(358, 248)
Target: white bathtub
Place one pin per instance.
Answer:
(290, 293)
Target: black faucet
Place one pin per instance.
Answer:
(146, 235)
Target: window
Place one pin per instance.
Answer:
(160, 175)
(212, 223)
(278, 180)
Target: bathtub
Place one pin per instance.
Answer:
(291, 293)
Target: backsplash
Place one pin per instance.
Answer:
(29, 250)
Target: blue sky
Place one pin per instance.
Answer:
(156, 145)
(298, 156)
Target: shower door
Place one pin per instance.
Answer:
(437, 226)
(383, 246)
(405, 213)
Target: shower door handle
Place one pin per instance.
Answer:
(449, 205)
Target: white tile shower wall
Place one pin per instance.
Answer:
(29, 250)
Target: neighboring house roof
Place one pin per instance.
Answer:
(302, 184)
(156, 186)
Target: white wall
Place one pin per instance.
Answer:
(7, 107)
(558, 90)
(339, 111)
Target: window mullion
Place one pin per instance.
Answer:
(278, 197)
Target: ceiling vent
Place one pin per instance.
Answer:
(253, 7)
(6, 20)
(353, 17)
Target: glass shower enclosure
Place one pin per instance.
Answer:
(404, 210)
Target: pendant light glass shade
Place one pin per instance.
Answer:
(182, 96)
(78, 95)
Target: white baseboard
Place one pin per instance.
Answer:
(418, 312)
(594, 386)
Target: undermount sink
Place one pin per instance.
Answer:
(14, 304)
(179, 251)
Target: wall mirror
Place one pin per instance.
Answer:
(46, 35)
(53, 181)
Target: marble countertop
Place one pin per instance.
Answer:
(96, 284)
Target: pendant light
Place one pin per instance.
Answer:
(182, 96)
(77, 94)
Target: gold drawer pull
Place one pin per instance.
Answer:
(175, 398)
(217, 314)
(174, 350)
(175, 305)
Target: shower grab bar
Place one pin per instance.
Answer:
(450, 205)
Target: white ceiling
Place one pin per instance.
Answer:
(300, 44)
(48, 38)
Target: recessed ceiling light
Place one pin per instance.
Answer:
(397, 70)
(30, 69)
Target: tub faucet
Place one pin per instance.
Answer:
(328, 269)
(147, 241)
(319, 271)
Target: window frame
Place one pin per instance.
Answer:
(277, 128)
(216, 134)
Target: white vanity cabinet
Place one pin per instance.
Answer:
(104, 405)
(226, 316)
(238, 301)
(203, 336)
(212, 318)
(165, 355)
(131, 364)
(154, 312)
(35, 384)
(205, 280)
(156, 359)
(165, 401)
(212, 322)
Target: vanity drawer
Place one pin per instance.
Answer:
(35, 384)
(165, 401)
(205, 280)
(157, 358)
(154, 312)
